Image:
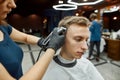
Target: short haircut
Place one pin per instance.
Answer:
(69, 20)
(93, 16)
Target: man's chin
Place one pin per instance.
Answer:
(77, 57)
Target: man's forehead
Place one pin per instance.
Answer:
(78, 31)
(77, 28)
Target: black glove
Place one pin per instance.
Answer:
(56, 40)
(40, 42)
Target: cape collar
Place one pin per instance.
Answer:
(58, 61)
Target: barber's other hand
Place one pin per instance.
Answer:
(56, 40)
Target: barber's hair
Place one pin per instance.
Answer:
(93, 16)
(69, 20)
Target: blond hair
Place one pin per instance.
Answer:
(93, 16)
(69, 20)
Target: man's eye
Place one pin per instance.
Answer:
(78, 40)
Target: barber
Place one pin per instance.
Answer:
(11, 54)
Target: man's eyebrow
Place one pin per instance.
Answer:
(81, 37)
(78, 36)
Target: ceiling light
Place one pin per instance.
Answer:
(65, 7)
(60, 2)
(85, 0)
(85, 3)
(96, 11)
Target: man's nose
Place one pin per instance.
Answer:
(84, 45)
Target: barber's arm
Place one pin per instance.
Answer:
(23, 37)
(38, 70)
(4, 75)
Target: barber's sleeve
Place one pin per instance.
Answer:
(93, 73)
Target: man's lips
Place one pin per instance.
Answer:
(80, 53)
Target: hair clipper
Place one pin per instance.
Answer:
(60, 30)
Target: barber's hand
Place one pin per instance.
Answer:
(56, 40)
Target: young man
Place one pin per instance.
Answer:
(69, 63)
